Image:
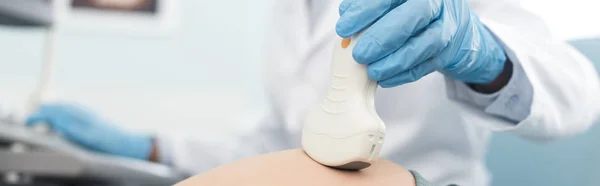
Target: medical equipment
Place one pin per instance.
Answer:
(26, 13)
(50, 160)
(345, 131)
(33, 156)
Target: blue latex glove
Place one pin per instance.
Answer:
(84, 128)
(410, 39)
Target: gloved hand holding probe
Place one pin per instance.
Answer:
(410, 39)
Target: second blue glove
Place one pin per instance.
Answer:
(84, 128)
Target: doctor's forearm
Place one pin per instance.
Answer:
(500, 82)
(154, 153)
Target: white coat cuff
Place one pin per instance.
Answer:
(165, 150)
(513, 102)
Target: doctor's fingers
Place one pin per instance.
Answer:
(72, 110)
(57, 122)
(44, 114)
(54, 115)
(410, 75)
(356, 15)
(417, 50)
(394, 29)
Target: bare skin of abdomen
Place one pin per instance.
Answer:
(295, 168)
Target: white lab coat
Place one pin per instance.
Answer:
(429, 128)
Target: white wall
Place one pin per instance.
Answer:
(204, 76)
(574, 19)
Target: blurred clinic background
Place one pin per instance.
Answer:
(159, 67)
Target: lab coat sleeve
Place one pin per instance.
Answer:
(512, 103)
(554, 90)
(205, 150)
(286, 42)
